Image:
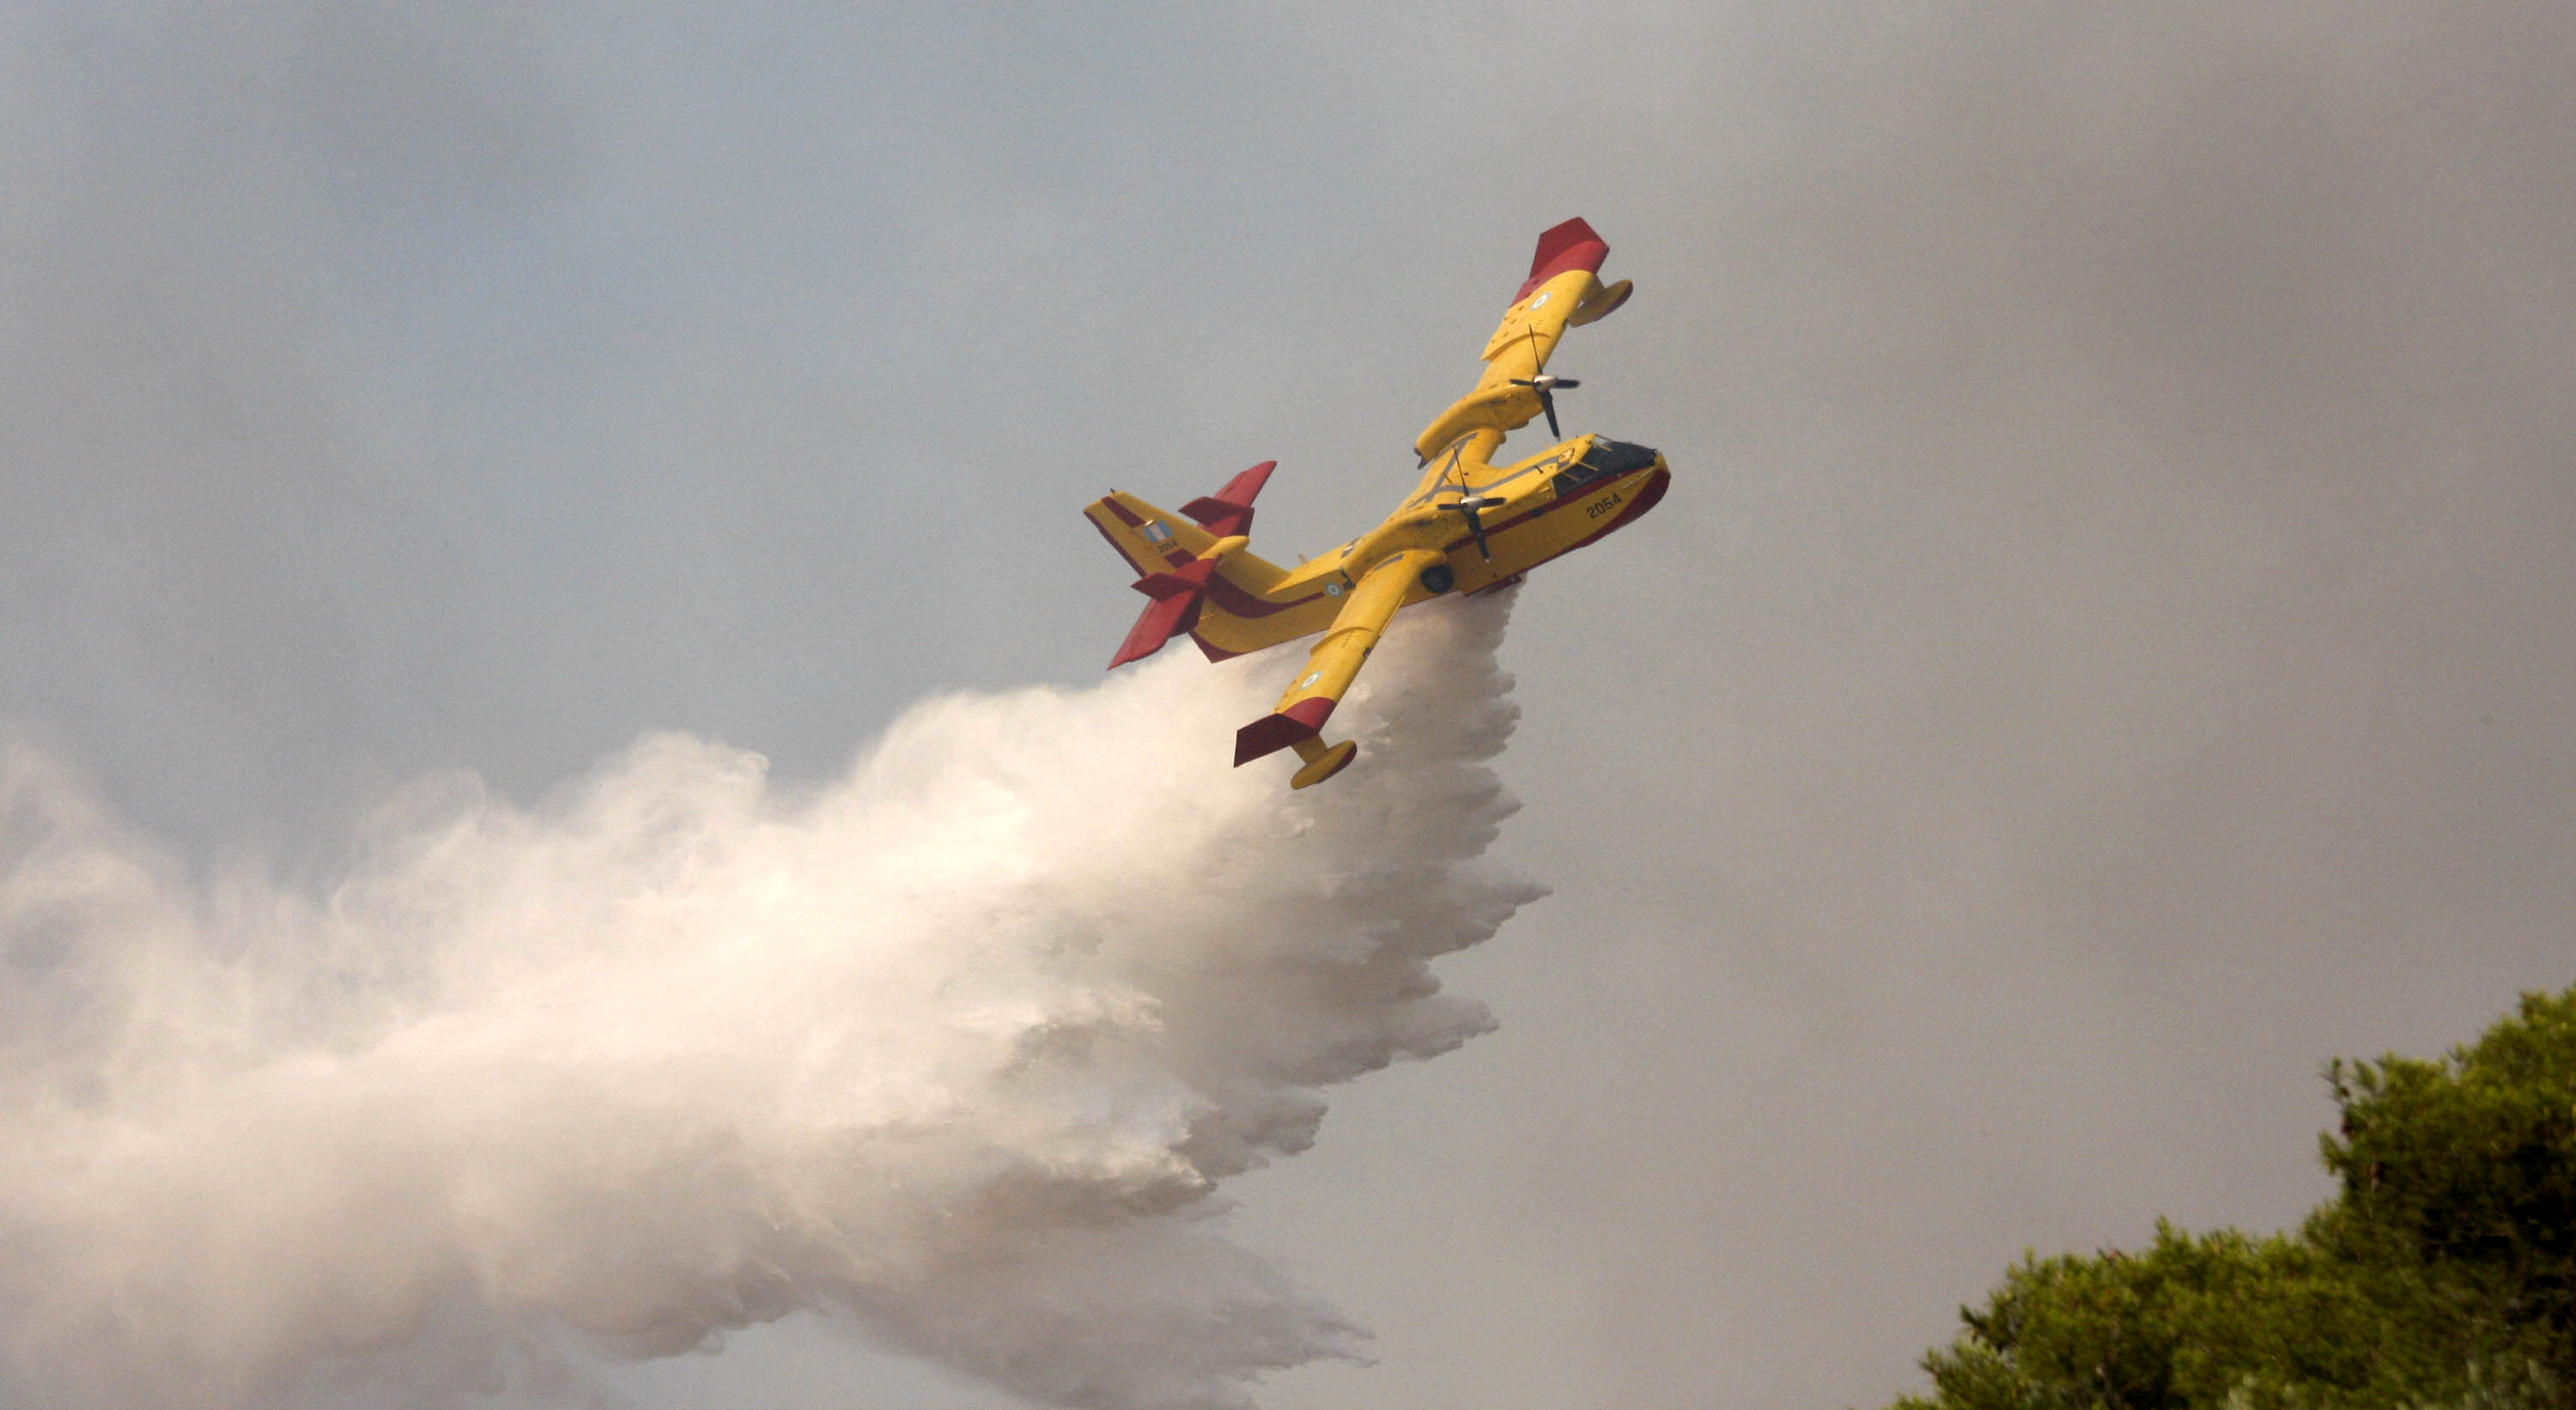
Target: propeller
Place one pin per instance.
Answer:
(1473, 508)
(1545, 384)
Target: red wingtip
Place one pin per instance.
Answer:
(1274, 732)
(1572, 245)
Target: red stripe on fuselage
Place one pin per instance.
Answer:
(1139, 565)
(1231, 598)
(1466, 540)
(1174, 554)
(1648, 496)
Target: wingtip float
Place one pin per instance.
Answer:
(1470, 525)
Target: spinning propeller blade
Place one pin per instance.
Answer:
(1473, 509)
(1546, 384)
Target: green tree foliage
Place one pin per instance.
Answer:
(2442, 1277)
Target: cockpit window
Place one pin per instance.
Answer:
(1604, 459)
(1617, 457)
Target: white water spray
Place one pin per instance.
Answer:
(957, 1046)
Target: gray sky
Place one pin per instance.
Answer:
(2109, 646)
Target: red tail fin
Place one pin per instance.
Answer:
(1174, 609)
(1177, 593)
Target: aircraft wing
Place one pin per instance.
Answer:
(1563, 290)
(1332, 665)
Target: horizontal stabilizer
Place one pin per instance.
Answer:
(1158, 623)
(1180, 583)
(1175, 609)
(1229, 510)
(1229, 600)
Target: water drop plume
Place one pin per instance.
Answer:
(953, 1050)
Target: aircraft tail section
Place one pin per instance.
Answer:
(1201, 575)
(1229, 510)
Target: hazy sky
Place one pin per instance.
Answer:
(2109, 647)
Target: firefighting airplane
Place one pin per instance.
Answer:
(1470, 526)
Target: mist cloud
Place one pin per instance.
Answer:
(959, 1044)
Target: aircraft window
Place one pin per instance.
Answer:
(1617, 458)
(1604, 459)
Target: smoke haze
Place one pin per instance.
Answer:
(958, 1043)
(2109, 647)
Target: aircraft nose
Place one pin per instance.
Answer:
(1650, 491)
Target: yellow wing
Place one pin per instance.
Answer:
(1331, 667)
(1564, 290)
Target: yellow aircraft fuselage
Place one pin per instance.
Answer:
(1537, 509)
(1469, 525)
